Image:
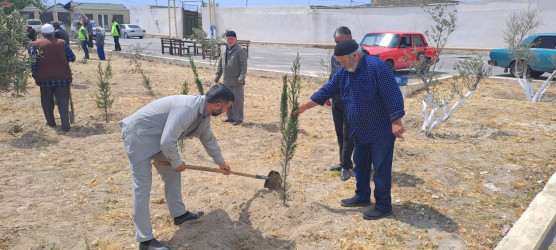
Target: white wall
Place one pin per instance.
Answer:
(155, 19)
(480, 24)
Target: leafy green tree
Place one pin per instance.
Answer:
(104, 102)
(288, 120)
(12, 5)
(15, 63)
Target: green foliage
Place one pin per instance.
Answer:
(185, 88)
(135, 55)
(104, 102)
(289, 121)
(198, 35)
(15, 64)
(147, 84)
(12, 5)
(197, 80)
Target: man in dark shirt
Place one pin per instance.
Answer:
(32, 35)
(60, 33)
(374, 107)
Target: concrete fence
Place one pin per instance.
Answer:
(480, 24)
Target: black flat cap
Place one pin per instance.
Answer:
(345, 47)
(230, 33)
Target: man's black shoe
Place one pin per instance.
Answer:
(336, 168)
(344, 174)
(152, 244)
(228, 120)
(235, 123)
(374, 214)
(187, 216)
(354, 202)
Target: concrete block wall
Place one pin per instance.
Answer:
(155, 20)
(480, 24)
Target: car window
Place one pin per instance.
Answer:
(134, 26)
(545, 42)
(381, 39)
(124, 27)
(34, 22)
(94, 25)
(405, 41)
(418, 41)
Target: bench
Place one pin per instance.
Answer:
(178, 46)
(206, 48)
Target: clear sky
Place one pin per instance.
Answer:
(228, 3)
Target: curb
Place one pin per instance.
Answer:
(533, 227)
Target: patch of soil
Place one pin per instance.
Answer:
(72, 190)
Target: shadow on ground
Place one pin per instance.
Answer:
(218, 231)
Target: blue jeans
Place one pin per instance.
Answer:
(85, 48)
(380, 155)
(100, 52)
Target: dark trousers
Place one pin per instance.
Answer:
(343, 131)
(117, 43)
(235, 112)
(90, 42)
(378, 154)
(100, 52)
(62, 100)
(85, 48)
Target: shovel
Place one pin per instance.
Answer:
(272, 180)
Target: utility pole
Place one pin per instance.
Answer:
(175, 19)
(169, 23)
(55, 11)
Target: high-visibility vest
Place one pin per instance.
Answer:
(83, 37)
(114, 29)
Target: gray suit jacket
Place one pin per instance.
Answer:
(159, 125)
(235, 68)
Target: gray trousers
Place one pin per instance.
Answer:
(235, 112)
(141, 180)
(62, 100)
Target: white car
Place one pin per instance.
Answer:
(131, 30)
(36, 24)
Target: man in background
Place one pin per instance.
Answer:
(83, 37)
(233, 64)
(60, 33)
(52, 74)
(116, 35)
(99, 40)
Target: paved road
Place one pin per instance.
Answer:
(280, 57)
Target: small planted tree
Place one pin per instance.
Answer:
(135, 55)
(185, 88)
(15, 64)
(104, 100)
(518, 28)
(196, 74)
(288, 120)
(146, 82)
(436, 106)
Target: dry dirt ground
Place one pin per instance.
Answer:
(72, 190)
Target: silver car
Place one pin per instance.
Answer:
(131, 30)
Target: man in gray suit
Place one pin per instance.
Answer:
(233, 64)
(153, 132)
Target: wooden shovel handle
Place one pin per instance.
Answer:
(206, 169)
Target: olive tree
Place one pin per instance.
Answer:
(436, 106)
(518, 28)
(15, 62)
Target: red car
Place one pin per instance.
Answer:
(391, 45)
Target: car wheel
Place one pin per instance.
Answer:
(390, 65)
(125, 35)
(516, 72)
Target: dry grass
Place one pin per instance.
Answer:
(61, 188)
